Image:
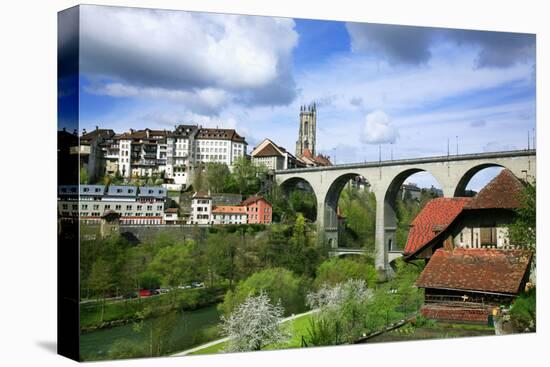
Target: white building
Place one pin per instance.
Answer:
(201, 208)
(229, 214)
(143, 205)
(191, 146)
(169, 155)
(273, 157)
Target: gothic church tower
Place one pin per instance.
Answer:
(307, 133)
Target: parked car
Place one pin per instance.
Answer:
(162, 290)
(144, 293)
(197, 284)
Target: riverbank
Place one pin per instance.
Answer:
(191, 328)
(122, 312)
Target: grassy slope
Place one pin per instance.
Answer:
(299, 327)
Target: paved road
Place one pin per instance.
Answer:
(207, 345)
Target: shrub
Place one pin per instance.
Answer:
(279, 284)
(335, 270)
(125, 348)
(523, 313)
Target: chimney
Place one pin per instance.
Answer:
(83, 131)
(97, 127)
(131, 131)
(64, 130)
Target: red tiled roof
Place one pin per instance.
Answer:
(171, 210)
(502, 192)
(253, 199)
(323, 160)
(482, 270)
(229, 209)
(435, 217)
(307, 153)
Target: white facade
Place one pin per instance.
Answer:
(201, 209)
(124, 165)
(190, 146)
(143, 206)
(229, 215)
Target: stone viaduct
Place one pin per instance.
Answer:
(452, 172)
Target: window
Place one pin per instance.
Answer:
(95, 207)
(118, 207)
(84, 206)
(128, 207)
(65, 206)
(107, 207)
(74, 207)
(149, 207)
(139, 207)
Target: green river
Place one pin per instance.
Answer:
(192, 328)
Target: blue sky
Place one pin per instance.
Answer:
(407, 89)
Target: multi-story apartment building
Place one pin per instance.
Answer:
(173, 155)
(191, 147)
(201, 208)
(90, 151)
(229, 214)
(141, 153)
(144, 205)
(258, 210)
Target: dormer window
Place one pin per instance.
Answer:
(119, 190)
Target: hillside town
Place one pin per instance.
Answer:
(237, 183)
(461, 255)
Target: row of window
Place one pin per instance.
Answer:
(98, 214)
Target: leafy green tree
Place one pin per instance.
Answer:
(199, 181)
(359, 210)
(278, 283)
(341, 312)
(523, 312)
(524, 230)
(83, 176)
(101, 282)
(175, 264)
(247, 178)
(304, 255)
(338, 270)
(220, 256)
(157, 330)
(217, 175)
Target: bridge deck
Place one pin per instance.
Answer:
(398, 162)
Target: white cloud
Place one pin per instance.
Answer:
(209, 56)
(378, 129)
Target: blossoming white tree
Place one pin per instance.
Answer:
(254, 324)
